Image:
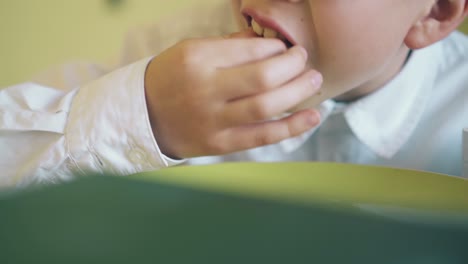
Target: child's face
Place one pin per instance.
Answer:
(357, 45)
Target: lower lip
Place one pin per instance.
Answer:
(252, 15)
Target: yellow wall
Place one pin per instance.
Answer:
(36, 34)
(464, 27)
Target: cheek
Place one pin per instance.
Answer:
(354, 56)
(352, 48)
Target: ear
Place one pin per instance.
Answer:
(441, 18)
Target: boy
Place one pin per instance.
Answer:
(397, 76)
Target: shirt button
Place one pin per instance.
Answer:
(137, 156)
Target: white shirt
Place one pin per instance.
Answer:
(416, 121)
(84, 117)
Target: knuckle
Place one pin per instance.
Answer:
(263, 139)
(292, 128)
(190, 51)
(259, 110)
(256, 50)
(262, 79)
(215, 146)
(277, 133)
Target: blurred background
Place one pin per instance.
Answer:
(37, 34)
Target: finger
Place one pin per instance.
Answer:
(262, 76)
(273, 103)
(272, 132)
(225, 53)
(248, 33)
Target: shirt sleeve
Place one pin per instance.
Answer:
(49, 135)
(465, 153)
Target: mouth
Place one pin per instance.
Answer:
(267, 28)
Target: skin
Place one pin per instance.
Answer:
(357, 45)
(219, 95)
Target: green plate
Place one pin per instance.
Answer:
(241, 213)
(309, 182)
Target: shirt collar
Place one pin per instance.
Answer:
(385, 119)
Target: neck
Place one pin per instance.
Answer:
(386, 75)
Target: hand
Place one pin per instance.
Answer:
(219, 95)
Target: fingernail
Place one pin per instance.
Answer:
(317, 79)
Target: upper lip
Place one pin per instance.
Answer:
(266, 22)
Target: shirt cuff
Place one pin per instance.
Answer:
(108, 128)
